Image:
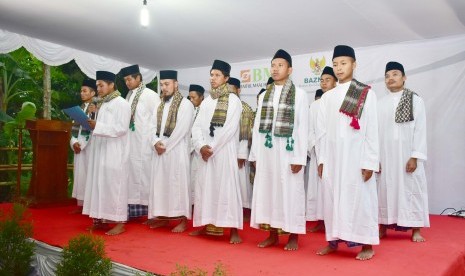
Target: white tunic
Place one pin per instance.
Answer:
(278, 194)
(196, 158)
(403, 197)
(170, 178)
(140, 152)
(217, 194)
(107, 175)
(314, 200)
(244, 174)
(80, 162)
(350, 204)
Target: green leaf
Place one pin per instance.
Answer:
(5, 117)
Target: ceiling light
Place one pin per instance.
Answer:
(144, 15)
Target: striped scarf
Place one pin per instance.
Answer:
(219, 116)
(134, 103)
(354, 102)
(113, 95)
(246, 123)
(404, 110)
(172, 115)
(284, 125)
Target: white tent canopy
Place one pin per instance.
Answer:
(428, 37)
(192, 33)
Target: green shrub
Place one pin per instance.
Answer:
(84, 255)
(16, 250)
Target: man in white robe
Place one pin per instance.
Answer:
(314, 202)
(196, 96)
(347, 150)
(80, 140)
(279, 148)
(171, 134)
(402, 187)
(215, 135)
(143, 102)
(245, 141)
(106, 199)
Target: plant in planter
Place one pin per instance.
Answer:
(84, 255)
(16, 250)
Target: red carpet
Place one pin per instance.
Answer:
(160, 250)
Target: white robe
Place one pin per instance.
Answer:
(217, 194)
(244, 174)
(403, 197)
(107, 174)
(170, 178)
(350, 204)
(314, 199)
(140, 152)
(80, 163)
(278, 194)
(196, 158)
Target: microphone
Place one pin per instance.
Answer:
(94, 102)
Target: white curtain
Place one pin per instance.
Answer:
(54, 54)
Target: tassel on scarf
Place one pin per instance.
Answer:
(268, 143)
(290, 144)
(212, 130)
(354, 123)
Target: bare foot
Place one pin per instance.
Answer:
(118, 229)
(98, 226)
(416, 236)
(78, 210)
(234, 236)
(382, 231)
(158, 223)
(198, 232)
(326, 250)
(320, 226)
(366, 253)
(181, 227)
(292, 243)
(271, 240)
(149, 222)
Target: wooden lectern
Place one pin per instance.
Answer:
(49, 181)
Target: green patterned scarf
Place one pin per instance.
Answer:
(107, 98)
(134, 103)
(172, 115)
(404, 110)
(285, 116)
(246, 123)
(354, 101)
(219, 117)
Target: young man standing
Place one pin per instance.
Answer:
(314, 206)
(196, 96)
(402, 187)
(279, 148)
(215, 135)
(106, 199)
(143, 102)
(347, 150)
(171, 133)
(245, 141)
(80, 138)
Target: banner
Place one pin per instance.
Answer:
(435, 69)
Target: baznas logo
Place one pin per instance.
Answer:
(245, 75)
(317, 65)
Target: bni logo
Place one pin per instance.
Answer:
(245, 75)
(255, 75)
